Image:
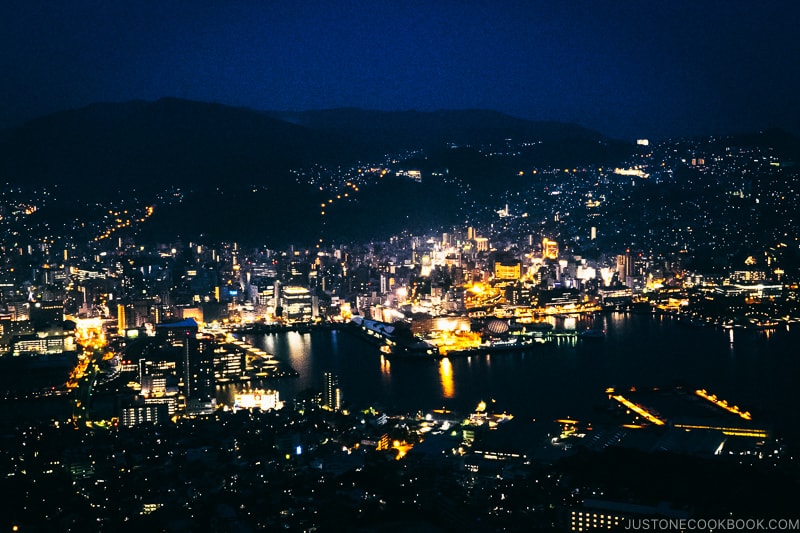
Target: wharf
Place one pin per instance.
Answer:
(261, 364)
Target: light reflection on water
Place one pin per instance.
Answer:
(566, 377)
(446, 378)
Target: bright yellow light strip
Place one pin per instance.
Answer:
(641, 411)
(734, 432)
(723, 404)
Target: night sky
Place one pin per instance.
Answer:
(628, 69)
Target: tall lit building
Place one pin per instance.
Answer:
(625, 267)
(331, 393)
(134, 314)
(196, 364)
(229, 363)
(507, 268)
(198, 369)
(296, 303)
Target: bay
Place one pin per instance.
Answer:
(567, 377)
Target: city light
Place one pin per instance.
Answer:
(639, 410)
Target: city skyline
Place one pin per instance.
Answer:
(625, 70)
(398, 265)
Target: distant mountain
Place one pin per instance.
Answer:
(233, 166)
(785, 145)
(388, 131)
(138, 143)
(216, 152)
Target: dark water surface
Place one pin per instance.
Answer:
(567, 377)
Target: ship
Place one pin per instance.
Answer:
(592, 334)
(393, 339)
(516, 343)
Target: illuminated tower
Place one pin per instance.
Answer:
(332, 394)
(121, 322)
(198, 375)
(625, 267)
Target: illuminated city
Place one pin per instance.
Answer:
(183, 335)
(495, 274)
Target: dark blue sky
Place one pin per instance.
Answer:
(626, 68)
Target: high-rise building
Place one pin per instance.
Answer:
(507, 267)
(229, 363)
(198, 369)
(384, 283)
(332, 394)
(625, 268)
(296, 304)
(134, 314)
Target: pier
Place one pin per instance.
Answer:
(262, 364)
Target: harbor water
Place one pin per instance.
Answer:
(565, 377)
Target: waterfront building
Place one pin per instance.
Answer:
(619, 295)
(229, 363)
(331, 394)
(258, 399)
(751, 290)
(297, 304)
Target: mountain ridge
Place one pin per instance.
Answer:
(263, 175)
(184, 141)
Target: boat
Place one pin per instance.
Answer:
(498, 345)
(593, 334)
(538, 326)
(393, 339)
